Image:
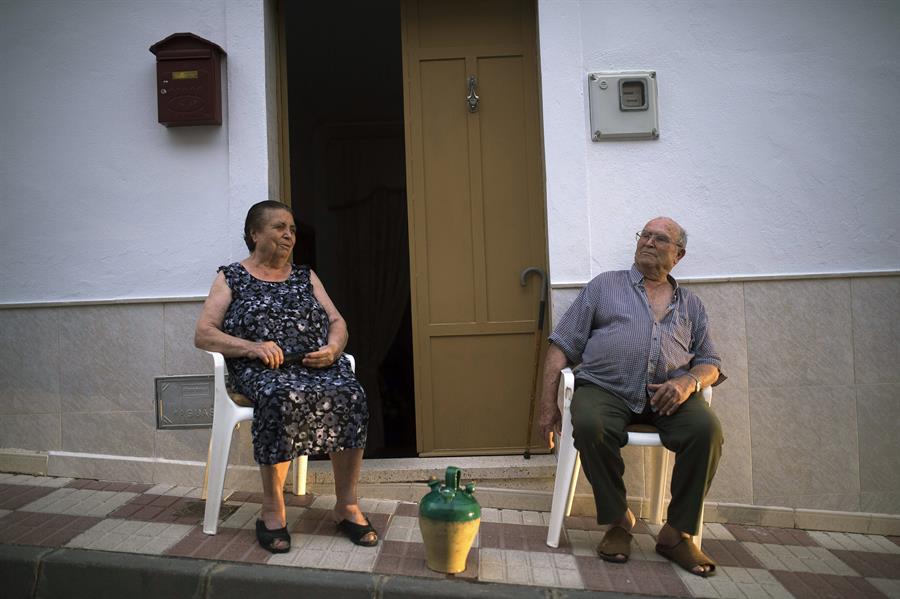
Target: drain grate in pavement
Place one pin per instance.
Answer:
(196, 508)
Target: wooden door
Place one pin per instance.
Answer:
(476, 207)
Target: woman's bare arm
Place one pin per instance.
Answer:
(337, 329)
(210, 336)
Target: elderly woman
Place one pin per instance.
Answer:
(258, 311)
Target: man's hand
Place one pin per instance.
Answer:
(549, 419)
(668, 397)
(550, 423)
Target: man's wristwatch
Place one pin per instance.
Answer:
(697, 385)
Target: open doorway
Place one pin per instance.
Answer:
(348, 192)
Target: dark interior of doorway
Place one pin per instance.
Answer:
(348, 191)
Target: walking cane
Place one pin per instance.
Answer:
(538, 337)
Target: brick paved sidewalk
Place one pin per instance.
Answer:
(510, 548)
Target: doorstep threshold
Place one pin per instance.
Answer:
(473, 467)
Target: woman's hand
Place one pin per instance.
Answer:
(323, 357)
(267, 352)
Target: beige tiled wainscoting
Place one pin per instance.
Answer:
(809, 408)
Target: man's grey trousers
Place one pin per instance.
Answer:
(693, 432)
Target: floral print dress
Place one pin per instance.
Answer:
(297, 410)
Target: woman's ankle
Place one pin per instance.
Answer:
(273, 514)
(350, 512)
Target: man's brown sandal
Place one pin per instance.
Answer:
(615, 546)
(688, 556)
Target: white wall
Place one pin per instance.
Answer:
(779, 134)
(99, 200)
(769, 154)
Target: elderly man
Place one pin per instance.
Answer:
(645, 352)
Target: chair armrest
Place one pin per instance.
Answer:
(219, 373)
(566, 388)
(219, 364)
(219, 370)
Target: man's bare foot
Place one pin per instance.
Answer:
(668, 537)
(626, 522)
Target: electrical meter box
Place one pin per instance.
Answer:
(188, 80)
(623, 105)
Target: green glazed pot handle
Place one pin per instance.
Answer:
(453, 477)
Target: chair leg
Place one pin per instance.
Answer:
(216, 465)
(570, 498)
(566, 461)
(203, 490)
(299, 472)
(658, 493)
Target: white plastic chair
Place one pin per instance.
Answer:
(229, 410)
(569, 463)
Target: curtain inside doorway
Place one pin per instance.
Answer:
(367, 209)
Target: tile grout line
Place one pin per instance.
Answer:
(165, 369)
(58, 384)
(749, 411)
(856, 390)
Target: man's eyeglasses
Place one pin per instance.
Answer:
(660, 240)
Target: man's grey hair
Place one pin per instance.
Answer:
(683, 236)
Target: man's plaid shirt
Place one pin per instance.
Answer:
(611, 331)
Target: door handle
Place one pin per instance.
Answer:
(472, 98)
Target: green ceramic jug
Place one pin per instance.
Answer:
(449, 517)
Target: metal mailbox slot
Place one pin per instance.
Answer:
(188, 80)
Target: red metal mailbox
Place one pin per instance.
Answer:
(188, 80)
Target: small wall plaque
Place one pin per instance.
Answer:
(184, 401)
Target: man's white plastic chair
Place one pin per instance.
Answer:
(229, 410)
(569, 463)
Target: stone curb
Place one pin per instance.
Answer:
(40, 573)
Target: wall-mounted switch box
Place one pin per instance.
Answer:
(623, 105)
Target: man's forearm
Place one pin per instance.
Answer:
(554, 361)
(706, 373)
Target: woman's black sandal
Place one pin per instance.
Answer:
(357, 532)
(267, 537)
